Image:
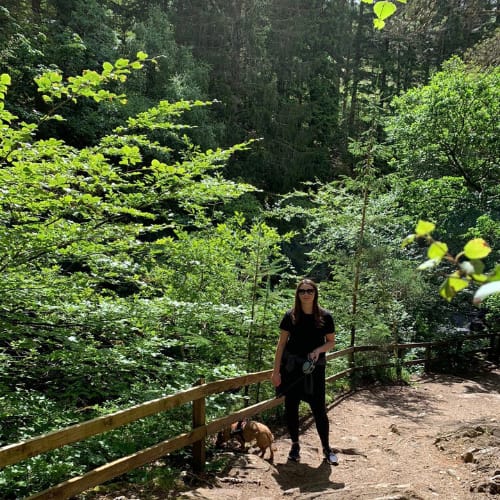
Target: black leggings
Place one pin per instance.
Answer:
(316, 402)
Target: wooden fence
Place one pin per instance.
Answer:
(14, 453)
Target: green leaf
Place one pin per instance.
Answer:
(478, 265)
(121, 63)
(477, 249)
(368, 1)
(451, 287)
(409, 239)
(378, 23)
(424, 228)
(437, 250)
(383, 10)
(479, 278)
(486, 290)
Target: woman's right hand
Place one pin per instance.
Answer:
(276, 379)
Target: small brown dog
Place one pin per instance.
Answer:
(248, 431)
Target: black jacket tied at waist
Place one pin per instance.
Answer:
(292, 374)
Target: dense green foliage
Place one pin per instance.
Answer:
(450, 128)
(142, 240)
(116, 260)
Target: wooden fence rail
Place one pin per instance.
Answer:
(17, 452)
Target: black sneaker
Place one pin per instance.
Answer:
(294, 454)
(330, 457)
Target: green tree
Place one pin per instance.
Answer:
(450, 128)
(274, 69)
(120, 278)
(76, 24)
(175, 76)
(81, 227)
(365, 278)
(484, 53)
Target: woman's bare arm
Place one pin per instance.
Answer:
(283, 339)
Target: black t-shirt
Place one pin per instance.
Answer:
(305, 336)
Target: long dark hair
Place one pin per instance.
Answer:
(297, 311)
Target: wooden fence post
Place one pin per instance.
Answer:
(199, 414)
(428, 354)
(399, 360)
(351, 364)
(496, 347)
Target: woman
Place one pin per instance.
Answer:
(307, 332)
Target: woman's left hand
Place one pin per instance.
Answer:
(313, 356)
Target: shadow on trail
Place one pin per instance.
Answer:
(401, 401)
(411, 401)
(483, 379)
(486, 382)
(305, 478)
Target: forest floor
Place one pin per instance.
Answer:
(436, 437)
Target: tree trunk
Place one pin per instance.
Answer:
(36, 8)
(357, 268)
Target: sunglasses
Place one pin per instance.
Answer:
(309, 291)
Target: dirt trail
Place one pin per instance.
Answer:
(436, 438)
